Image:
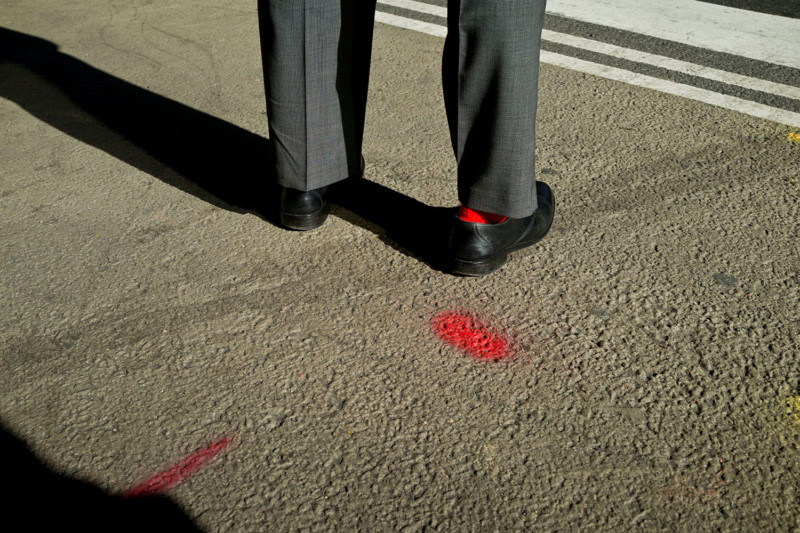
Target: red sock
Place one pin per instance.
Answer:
(481, 217)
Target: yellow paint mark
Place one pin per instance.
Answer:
(794, 408)
(794, 137)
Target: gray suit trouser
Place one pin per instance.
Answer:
(316, 56)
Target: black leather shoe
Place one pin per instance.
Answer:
(479, 249)
(304, 210)
(307, 210)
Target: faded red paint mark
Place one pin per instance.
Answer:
(176, 473)
(466, 332)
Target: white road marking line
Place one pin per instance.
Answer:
(674, 65)
(740, 32)
(591, 45)
(702, 95)
(670, 87)
(743, 33)
(419, 7)
(411, 24)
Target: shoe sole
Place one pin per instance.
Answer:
(305, 222)
(482, 268)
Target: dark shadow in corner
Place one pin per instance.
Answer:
(43, 500)
(214, 160)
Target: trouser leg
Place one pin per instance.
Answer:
(316, 56)
(490, 72)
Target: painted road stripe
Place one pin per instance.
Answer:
(411, 24)
(419, 7)
(723, 29)
(728, 102)
(675, 65)
(678, 89)
(740, 32)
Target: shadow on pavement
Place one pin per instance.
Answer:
(38, 499)
(402, 222)
(195, 152)
(214, 160)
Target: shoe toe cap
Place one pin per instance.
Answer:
(302, 202)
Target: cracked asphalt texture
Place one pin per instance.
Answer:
(149, 304)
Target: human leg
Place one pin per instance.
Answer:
(316, 56)
(490, 74)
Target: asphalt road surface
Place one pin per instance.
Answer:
(171, 360)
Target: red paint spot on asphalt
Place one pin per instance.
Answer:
(176, 473)
(467, 333)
